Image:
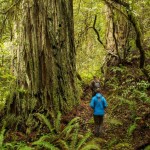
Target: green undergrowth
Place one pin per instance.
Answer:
(129, 107)
(57, 137)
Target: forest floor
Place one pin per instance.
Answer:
(125, 127)
(119, 130)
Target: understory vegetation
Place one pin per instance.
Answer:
(126, 124)
(49, 52)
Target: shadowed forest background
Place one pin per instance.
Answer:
(49, 52)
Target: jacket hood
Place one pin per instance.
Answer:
(98, 95)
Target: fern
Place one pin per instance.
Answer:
(63, 144)
(25, 148)
(67, 139)
(72, 124)
(147, 147)
(22, 146)
(115, 122)
(66, 132)
(74, 137)
(2, 137)
(48, 137)
(91, 146)
(123, 146)
(131, 129)
(45, 145)
(9, 145)
(84, 139)
(74, 120)
(57, 122)
(46, 121)
(17, 146)
(44, 138)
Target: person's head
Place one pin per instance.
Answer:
(98, 90)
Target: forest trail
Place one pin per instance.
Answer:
(115, 135)
(85, 112)
(117, 122)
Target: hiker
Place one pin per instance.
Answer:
(98, 104)
(95, 84)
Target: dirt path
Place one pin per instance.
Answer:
(115, 131)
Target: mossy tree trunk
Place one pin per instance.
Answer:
(131, 17)
(117, 36)
(46, 74)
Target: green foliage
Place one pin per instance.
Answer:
(120, 69)
(122, 146)
(57, 122)
(43, 144)
(133, 126)
(143, 85)
(17, 146)
(112, 142)
(147, 147)
(46, 121)
(90, 53)
(68, 138)
(12, 145)
(114, 122)
(131, 129)
(11, 120)
(92, 146)
(2, 138)
(5, 73)
(83, 140)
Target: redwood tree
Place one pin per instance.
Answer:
(44, 60)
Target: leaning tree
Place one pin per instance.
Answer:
(43, 58)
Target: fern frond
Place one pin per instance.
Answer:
(63, 144)
(46, 121)
(10, 145)
(147, 147)
(115, 122)
(84, 139)
(57, 122)
(91, 146)
(74, 138)
(47, 137)
(74, 120)
(66, 132)
(72, 124)
(18, 146)
(25, 148)
(131, 129)
(45, 145)
(98, 140)
(44, 138)
(2, 137)
(11, 120)
(123, 146)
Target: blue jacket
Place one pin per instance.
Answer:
(98, 103)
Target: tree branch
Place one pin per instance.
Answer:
(10, 8)
(97, 33)
(135, 24)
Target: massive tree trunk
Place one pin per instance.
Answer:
(46, 74)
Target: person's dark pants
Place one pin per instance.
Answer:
(98, 121)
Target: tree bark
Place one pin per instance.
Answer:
(136, 26)
(46, 58)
